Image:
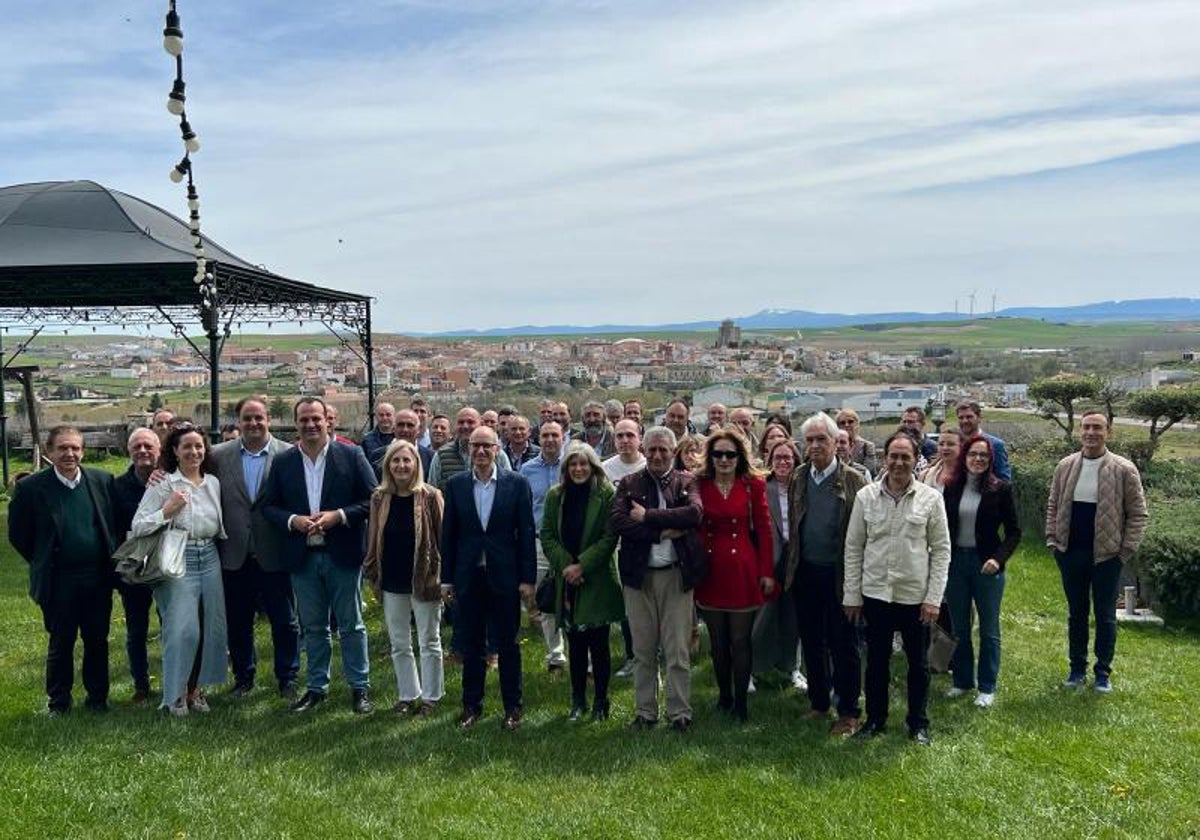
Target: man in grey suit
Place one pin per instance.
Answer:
(251, 558)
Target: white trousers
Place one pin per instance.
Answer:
(399, 612)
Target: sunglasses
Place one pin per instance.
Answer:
(724, 454)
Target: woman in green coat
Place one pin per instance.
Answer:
(578, 540)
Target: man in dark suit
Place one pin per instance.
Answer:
(252, 556)
(61, 521)
(136, 598)
(489, 563)
(408, 427)
(318, 495)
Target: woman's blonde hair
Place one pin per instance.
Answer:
(579, 449)
(387, 484)
(745, 465)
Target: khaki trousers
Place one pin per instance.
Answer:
(660, 616)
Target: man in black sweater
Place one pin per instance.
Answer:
(61, 521)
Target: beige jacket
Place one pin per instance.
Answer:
(427, 564)
(897, 551)
(1121, 515)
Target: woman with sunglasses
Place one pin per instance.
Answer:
(978, 506)
(737, 534)
(189, 497)
(862, 451)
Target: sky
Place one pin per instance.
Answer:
(477, 163)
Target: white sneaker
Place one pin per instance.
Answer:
(179, 708)
(750, 689)
(984, 700)
(197, 702)
(955, 691)
(799, 681)
(626, 670)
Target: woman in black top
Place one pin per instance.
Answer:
(403, 566)
(978, 506)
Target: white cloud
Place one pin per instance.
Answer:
(597, 162)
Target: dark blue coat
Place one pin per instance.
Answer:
(347, 485)
(508, 543)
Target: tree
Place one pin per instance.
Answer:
(155, 402)
(278, 408)
(1109, 395)
(1059, 394)
(1165, 406)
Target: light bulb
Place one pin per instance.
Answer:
(176, 174)
(175, 98)
(190, 142)
(173, 35)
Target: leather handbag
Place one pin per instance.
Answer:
(941, 649)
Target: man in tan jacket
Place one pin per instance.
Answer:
(1095, 519)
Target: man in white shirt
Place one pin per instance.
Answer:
(896, 562)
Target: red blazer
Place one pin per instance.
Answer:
(735, 563)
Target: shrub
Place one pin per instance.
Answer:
(1169, 557)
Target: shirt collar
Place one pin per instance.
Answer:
(70, 483)
(320, 455)
(487, 480)
(887, 491)
(819, 476)
(260, 452)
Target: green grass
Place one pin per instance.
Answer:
(1042, 763)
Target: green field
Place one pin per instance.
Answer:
(1043, 762)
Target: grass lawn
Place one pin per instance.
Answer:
(1042, 763)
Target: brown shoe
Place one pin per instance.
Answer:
(844, 727)
(813, 714)
(493, 662)
(425, 710)
(469, 718)
(512, 720)
(404, 708)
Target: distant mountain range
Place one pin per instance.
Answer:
(1147, 309)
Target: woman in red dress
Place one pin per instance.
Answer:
(737, 535)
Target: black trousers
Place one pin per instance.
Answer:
(80, 606)
(729, 635)
(883, 619)
(584, 645)
(243, 588)
(484, 613)
(824, 634)
(136, 600)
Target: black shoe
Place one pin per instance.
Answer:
(921, 735)
(870, 729)
(740, 712)
(512, 720)
(642, 723)
(469, 718)
(681, 725)
(725, 704)
(360, 703)
(141, 694)
(241, 689)
(93, 705)
(600, 710)
(306, 702)
(578, 710)
(289, 691)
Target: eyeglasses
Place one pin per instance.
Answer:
(482, 445)
(724, 454)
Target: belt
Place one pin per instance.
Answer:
(200, 543)
(662, 568)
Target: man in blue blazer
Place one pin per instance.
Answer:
(319, 493)
(489, 563)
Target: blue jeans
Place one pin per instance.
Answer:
(967, 585)
(1093, 586)
(180, 601)
(322, 585)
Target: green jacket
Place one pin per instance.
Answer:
(599, 599)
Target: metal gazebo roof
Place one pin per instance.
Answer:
(73, 251)
(76, 252)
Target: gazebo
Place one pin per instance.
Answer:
(75, 253)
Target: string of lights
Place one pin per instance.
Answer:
(177, 106)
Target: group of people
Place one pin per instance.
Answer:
(791, 549)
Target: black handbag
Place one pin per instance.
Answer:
(544, 596)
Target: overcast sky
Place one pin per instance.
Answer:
(477, 163)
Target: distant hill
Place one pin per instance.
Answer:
(1147, 309)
